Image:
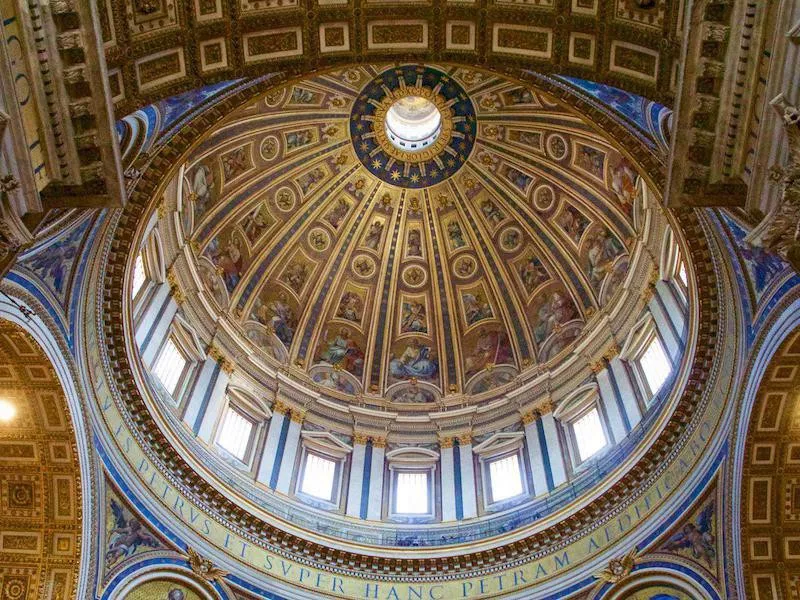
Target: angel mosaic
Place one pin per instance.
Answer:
(697, 537)
(298, 139)
(296, 275)
(414, 243)
(234, 163)
(476, 307)
(311, 179)
(257, 222)
(416, 361)
(623, 184)
(126, 536)
(351, 307)
(533, 273)
(532, 139)
(336, 215)
(493, 214)
(518, 95)
(303, 96)
(413, 318)
(373, 237)
(519, 179)
(573, 223)
(591, 160)
(455, 235)
(203, 189)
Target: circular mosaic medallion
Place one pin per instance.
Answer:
(363, 266)
(544, 197)
(269, 147)
(464, 267)
(511, 239)
(443, 153)
(414, 276)
(285, 199)
(319, 239)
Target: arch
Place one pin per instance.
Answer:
(687, 584)
(40, 378)
(766, 493)
(150, 579)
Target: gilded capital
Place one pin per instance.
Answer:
(446, 442)
(528, 417)
(378, 442)
(280, 408)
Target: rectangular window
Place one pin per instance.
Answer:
(169, 366)
(411, 493)
(589, 435)
(139, 275)
(318, 476)
(505, 478)
(655, 365)
(234, 433)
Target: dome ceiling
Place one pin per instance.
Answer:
(369, 270)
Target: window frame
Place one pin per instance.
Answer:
(413, 460)
(155, 273)
(336, 486)
(249, 449)
(577, 460)
(639, 372)
(497, 447)
(182, 383)
(324, 445)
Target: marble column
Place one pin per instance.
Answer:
(154, 323)
(534, 445)
(620, 378)
(375, 498)
(286, 464)
(449, 490)
(356, 483)
(674, 307)
(555, 453)
(274, 434)
(666, 329)
(469, 492)
(617, 419)
(211, 401)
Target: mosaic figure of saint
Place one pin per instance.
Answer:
(415, 361)
(296, 275)
(413, 317)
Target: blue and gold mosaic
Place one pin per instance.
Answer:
(427, 168)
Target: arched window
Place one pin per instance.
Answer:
(654, 365)
(139, 275)
(177, 359)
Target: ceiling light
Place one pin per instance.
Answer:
(7, 411)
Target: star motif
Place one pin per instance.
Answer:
(451, 162)
(359, 126)
(415, 178)
(376, 163)
(364, 146)
(395, 175)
